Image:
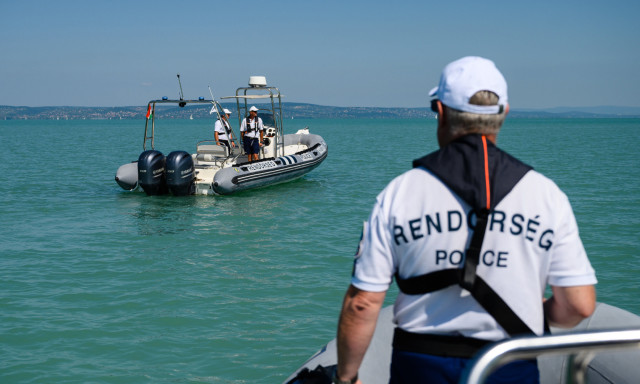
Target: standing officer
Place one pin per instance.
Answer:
(472, 236)
(222, 130)
(251, 139)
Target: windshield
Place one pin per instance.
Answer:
(267, 118)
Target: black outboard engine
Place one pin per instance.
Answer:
(151, 175)
(180, 173)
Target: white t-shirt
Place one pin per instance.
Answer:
(418, 225)
(222, 133)
(253, 130)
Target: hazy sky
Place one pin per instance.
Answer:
(338, 53)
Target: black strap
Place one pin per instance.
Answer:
(498, 309)
(225, 126)
(469, 280)
(472, 256)
(249, 124)
(429, 282)
(438, 345)
(480, 290)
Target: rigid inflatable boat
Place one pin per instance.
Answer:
(303, 152)
(615, 328)
(218, 169)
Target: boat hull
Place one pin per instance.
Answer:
(127, 176)
(609, 367)
(307, 151)
(272, 171)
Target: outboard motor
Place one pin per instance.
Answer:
(180, 173)
(151, 175)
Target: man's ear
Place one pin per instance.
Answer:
(441, 118)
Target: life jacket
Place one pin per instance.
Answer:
(482, 175)
(249, 129)
(225, 127)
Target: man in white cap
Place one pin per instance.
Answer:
(222, 130)
(252, 131)
(472, 237)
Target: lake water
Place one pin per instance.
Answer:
(106, 286)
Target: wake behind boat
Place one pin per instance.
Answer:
(218, 169)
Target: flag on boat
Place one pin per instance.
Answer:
(149, 113)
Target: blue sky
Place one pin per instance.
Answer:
(338, 53)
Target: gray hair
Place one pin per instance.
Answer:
(463, 123)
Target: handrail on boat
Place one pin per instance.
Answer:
(151, 107)
(580, 346)
(262, 92)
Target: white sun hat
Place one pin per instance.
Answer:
(462, 78)
(226, 111)
(253, 109)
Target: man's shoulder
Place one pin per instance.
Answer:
(410, 180)
(536, 181)
(411, 174)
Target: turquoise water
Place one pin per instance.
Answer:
(105, 286)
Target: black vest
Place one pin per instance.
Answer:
(225, 126)
(249, 129)
(464, 166)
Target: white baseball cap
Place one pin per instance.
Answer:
(226, 111)
(253, 109)
(462, 78)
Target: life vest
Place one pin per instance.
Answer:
(249, 129)
(500, 172)
(225, 127)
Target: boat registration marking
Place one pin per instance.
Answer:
(262, 165)
(307, 156)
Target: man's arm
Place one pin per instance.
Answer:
(569, 305)
(357, 322)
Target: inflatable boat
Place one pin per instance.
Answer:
(610, 332)
(218, 169)
(293, 164)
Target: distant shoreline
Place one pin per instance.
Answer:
(290, 110)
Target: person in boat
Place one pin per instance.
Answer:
(472, 237)
(252, 131)
(222, 130)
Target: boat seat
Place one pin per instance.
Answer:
(214, 150)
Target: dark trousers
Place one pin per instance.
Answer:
(413, 367)
(226, 142)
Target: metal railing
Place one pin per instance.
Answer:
(581, 348)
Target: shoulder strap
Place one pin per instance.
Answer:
(481, 291)
(225, 126)
(467, 279)
(472, 154)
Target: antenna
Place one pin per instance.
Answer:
(214, 104)
(180, 83)
(182, 103)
